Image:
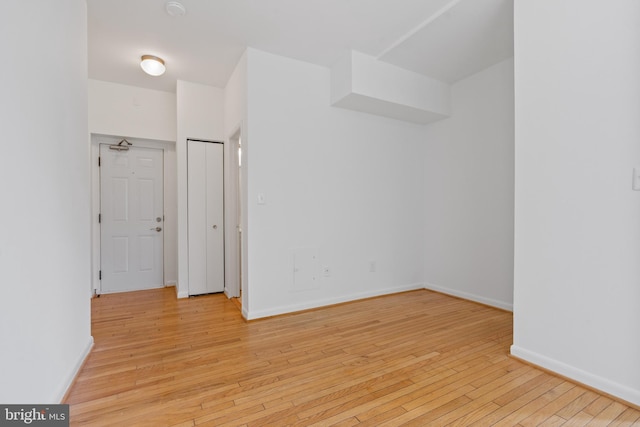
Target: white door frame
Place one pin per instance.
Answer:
(233, 211)
(96, 140)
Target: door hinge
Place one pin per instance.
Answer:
(99, 218)
(99, 161)
(100, 275)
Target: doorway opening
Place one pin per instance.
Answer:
(133, 217)
(235, 288)
(206, 219)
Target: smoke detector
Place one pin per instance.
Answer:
(175, 8)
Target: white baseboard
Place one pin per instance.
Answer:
(68, 382)
(170, 283)
(181, 293)
(471, 297)
(274, 311)
(618, 390)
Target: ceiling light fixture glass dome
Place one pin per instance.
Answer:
(175, 8)
(152, 65)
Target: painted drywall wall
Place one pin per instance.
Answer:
(469, 173)
(346, 184)
(44, 222)
(147, 118)
(235, 97)
(577, 219)
(200, 115)
(116, 109)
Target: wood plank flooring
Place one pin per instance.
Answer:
(416, 359)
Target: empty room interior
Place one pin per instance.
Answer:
(420, 212)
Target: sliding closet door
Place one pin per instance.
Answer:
(206, 217)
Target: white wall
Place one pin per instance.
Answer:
(200, 115)
(116, 109)
(468, 191)
(235, 97)
(146, 118)
(44, 221)
(348, 184)
(577, 220)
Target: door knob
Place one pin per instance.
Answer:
(215, 227)
(158, 229)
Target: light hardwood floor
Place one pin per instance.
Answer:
(417, 359)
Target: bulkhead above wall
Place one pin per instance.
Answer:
(361, 82)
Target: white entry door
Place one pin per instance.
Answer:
(205, 162)
(132, 222)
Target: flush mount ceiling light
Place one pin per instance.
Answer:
(175, 8)
(152, 65)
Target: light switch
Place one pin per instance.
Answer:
(261, 199)
(636, 178)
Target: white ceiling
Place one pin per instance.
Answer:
(444, 39)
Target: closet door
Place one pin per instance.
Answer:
(206, 217)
